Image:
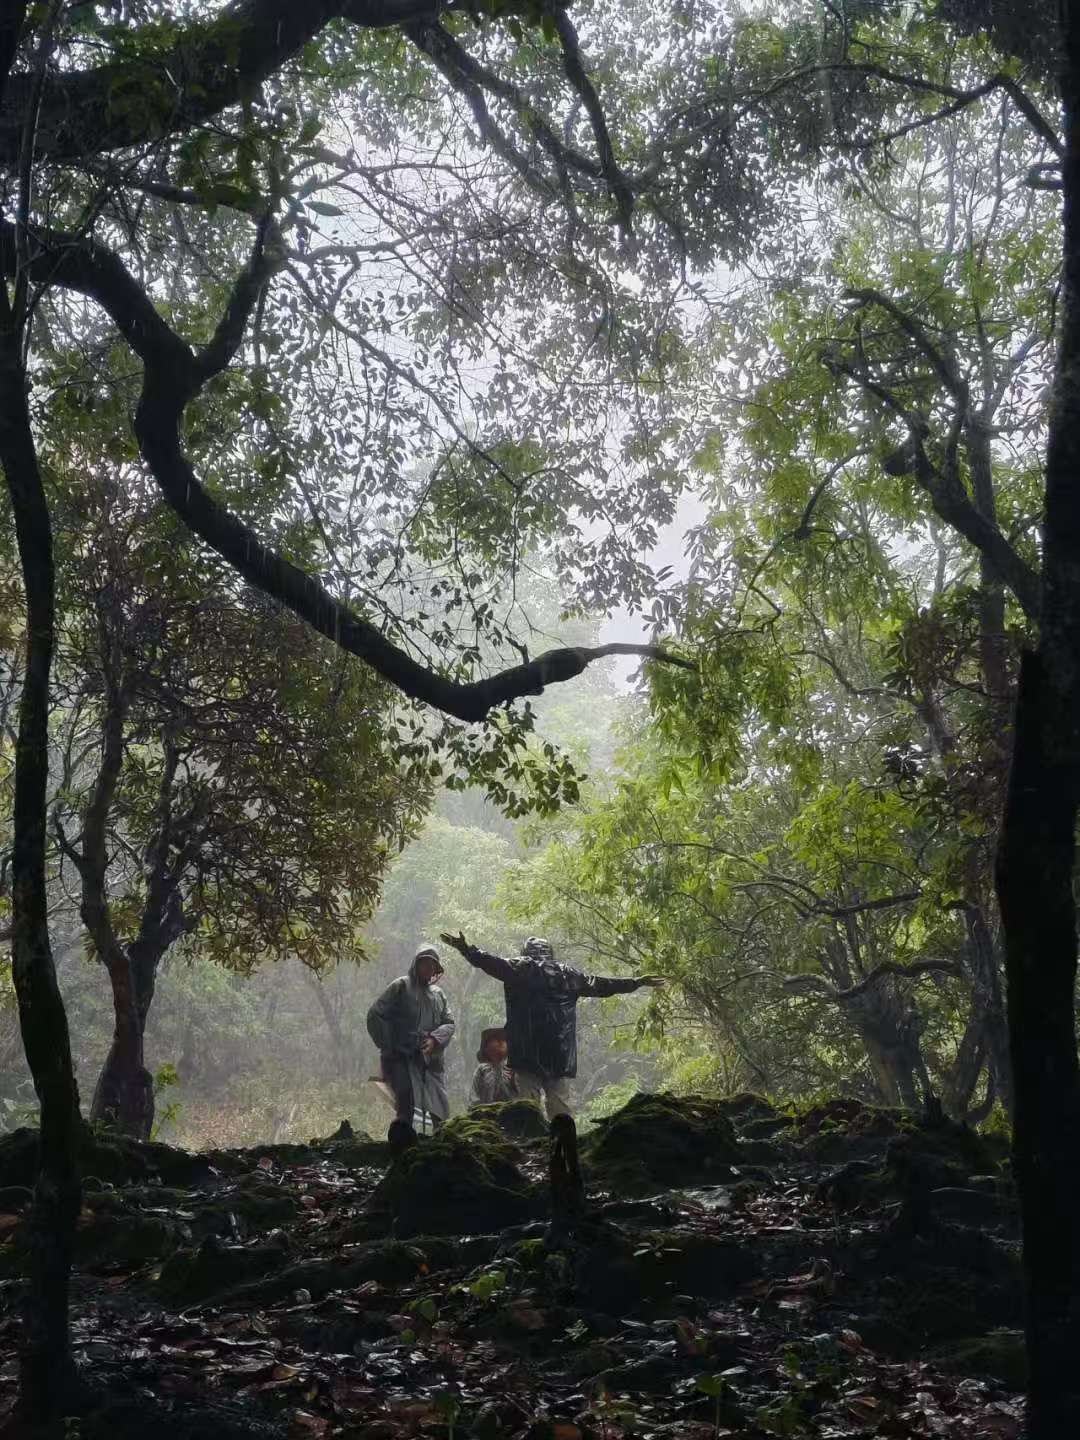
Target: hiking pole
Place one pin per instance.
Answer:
(424, 1112)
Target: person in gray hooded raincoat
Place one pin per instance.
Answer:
(412, 1025)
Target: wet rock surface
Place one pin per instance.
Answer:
(862, 1282)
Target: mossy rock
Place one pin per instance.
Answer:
(764, 1127)
(933, 1158)
(517, 1119)
(621, 1275)
(958, 1145)
(1000, 1355)
(131, 1239)
(747, 1107)
(107, 1199)
(393, 1263)
(845, 1129)
(263, 1205)
(115, 1159)
(921, 1160)
(852, 1117)
(950, 1284)
(761, 1152)
(464, 1180)
(192, 1275)
(360, 1154)
(661, 1140)
(353, 1150)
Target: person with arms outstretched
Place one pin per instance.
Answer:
(541, 1021)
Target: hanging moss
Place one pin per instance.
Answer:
(659, 1140)
(463, 1180)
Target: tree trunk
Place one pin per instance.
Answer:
(47, 1370)
(124, 1094)
(893, 1068)
(1035, 878)
(962, 1079)
(1036, 870)
(344, 1053)
(985, 965)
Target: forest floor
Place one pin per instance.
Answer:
(739, 1272)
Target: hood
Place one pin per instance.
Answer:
(537, 948)
(426, 950)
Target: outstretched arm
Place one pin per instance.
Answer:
(599, 986)
(493, 965)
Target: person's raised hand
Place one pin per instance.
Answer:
(654, 982)
(456, 942)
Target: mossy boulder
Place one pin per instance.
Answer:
(1000, 1355)
(622, 1274)
(392, 1263)
(353, 1150)
(847, 1129)
(918, 1162)
(114, 1159)
(256, 1200)
(517, 1119)
(464, 1180)
(192, 1275)
(661, 1140)
(747, 1107)
(133, 1239)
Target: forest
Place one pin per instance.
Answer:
(588, 492)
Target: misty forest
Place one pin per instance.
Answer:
(539, 719)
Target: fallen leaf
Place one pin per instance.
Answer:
(526, 1317)
(303, 1424)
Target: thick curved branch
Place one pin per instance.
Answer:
(470, 80)
(579, 79)
(172, 376)
(814, 984)
(943, 363)
(860, 907)
(202, 70)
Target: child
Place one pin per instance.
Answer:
(492, 1081)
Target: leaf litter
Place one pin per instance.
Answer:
(275, 1298)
